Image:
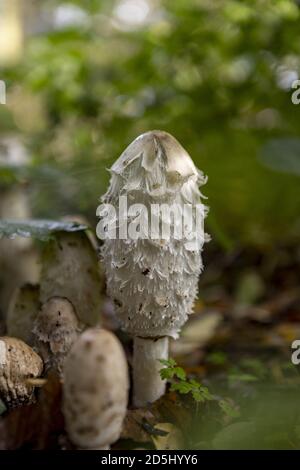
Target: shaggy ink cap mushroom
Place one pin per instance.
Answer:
(154, 282)
(95, 390)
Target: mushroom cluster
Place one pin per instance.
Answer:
(153, 281)
(50, 316)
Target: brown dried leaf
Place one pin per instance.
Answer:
(172, 440)
(133, 425)
(169, 409)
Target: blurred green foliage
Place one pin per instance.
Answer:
(245, 408)
(213, 73)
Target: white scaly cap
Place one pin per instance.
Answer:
(154, 281)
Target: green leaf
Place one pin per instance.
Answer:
(200, 393)
(195, 383)
(167, 373)
(206, 393)
(168, 362)
(170, 370)
(198, 397)
(180, 373)
(181, 387)
(180, 383)
(40, 229)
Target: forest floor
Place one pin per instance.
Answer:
(232, 383)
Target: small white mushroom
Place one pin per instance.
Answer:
(18, 365)
(55, 328)
(70, 269)
(95, 390)
(22, 311)
(154, 281)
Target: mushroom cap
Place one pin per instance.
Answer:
(56, 328)
(152, 145)
(154, 282)
(18, 362)
(95, 389)
(70, 269)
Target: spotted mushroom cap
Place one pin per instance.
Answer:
(70, 269)
(95, 389)
(154, 281)
(55, 329)
(18, 362)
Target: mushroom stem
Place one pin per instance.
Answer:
(147, 383)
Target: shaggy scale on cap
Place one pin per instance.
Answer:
(154, 282)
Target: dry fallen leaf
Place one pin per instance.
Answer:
(133, 427)
(172, 440)
(196, 333)
(169, 409)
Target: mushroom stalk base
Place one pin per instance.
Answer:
(147, 384)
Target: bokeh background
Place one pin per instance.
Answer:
(85, 78)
